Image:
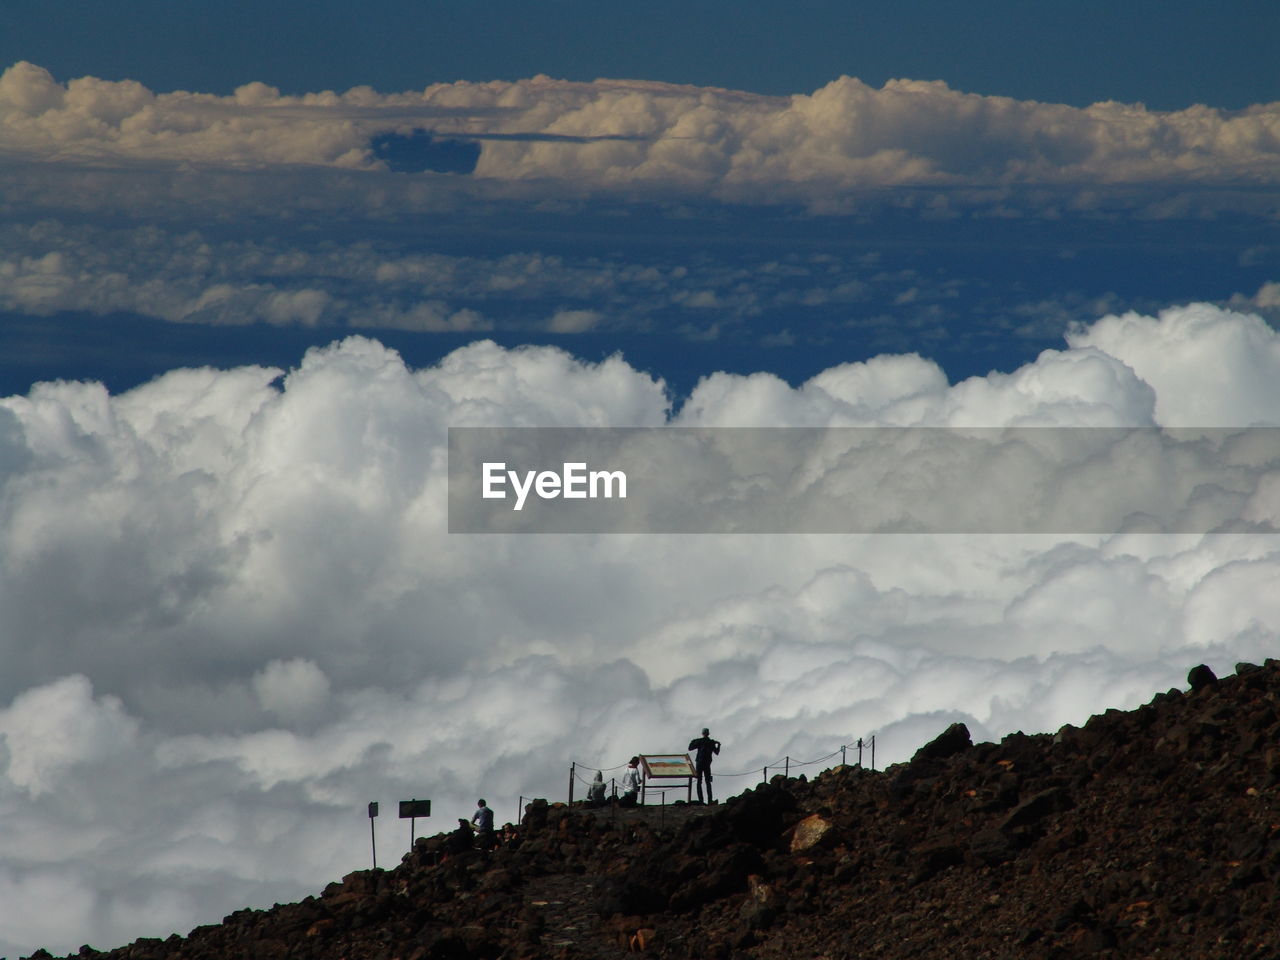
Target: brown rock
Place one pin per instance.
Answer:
(809, 832)
(1146, 833)
(1201, 677)
(642, 939)
(946, 744)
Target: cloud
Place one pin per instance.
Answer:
(1264, 302)
(187, 276)
(48, 731)
(292, 689)
(1205, 372)
(573, 321)
(617, 134)
(231, 614)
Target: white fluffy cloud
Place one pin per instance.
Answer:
(1235, 386)
(230, 614)
(618, 133)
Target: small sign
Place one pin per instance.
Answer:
(667, 765)
(373, 809)
(414, 808)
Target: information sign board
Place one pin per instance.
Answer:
(414, 808)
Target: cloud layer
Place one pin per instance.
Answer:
(621, 134)
(230, 614)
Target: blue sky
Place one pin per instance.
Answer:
(236, 323)
(1165, 53)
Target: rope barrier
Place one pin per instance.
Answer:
(809, 763)
(788, 762)
(785, 762)
(579, 763)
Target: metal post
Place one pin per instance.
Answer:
(373, 835)
(859, 751)
(842, 749)
(764, 775)
(873, 752)
(573, 772)
(786, 769)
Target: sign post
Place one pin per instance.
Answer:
(373, 835)
(410, 810)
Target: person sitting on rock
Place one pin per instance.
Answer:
(630, 783)
(510, 836)
(460, 840)
(706, 748)
(482, 819)
(595, 793)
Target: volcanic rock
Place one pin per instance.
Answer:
(809, 832)
(951, 741)
(1147, 833)
(1200, 677)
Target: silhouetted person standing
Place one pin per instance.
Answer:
(483, 821)
(705, 749)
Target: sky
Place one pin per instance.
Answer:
(254, 264)
(1167, 54)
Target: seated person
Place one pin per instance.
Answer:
(595, 793)
(460, 840)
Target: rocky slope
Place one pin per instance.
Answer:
(1149, 833)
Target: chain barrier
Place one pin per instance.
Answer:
(786, 763)
(579, 763)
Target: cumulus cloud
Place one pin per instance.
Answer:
(48, 731)
(185, 274)
(259, 208)
(619, 133)
(1236, 386)
(1265, 302)
(231, 615)
(292, 689)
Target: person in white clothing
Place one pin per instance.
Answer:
(630, 784)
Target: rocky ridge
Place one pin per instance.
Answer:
(1148, 833)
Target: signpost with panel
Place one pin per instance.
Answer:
(412, 809)
(667, 766)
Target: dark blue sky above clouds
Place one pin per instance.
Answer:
(1165, 53)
